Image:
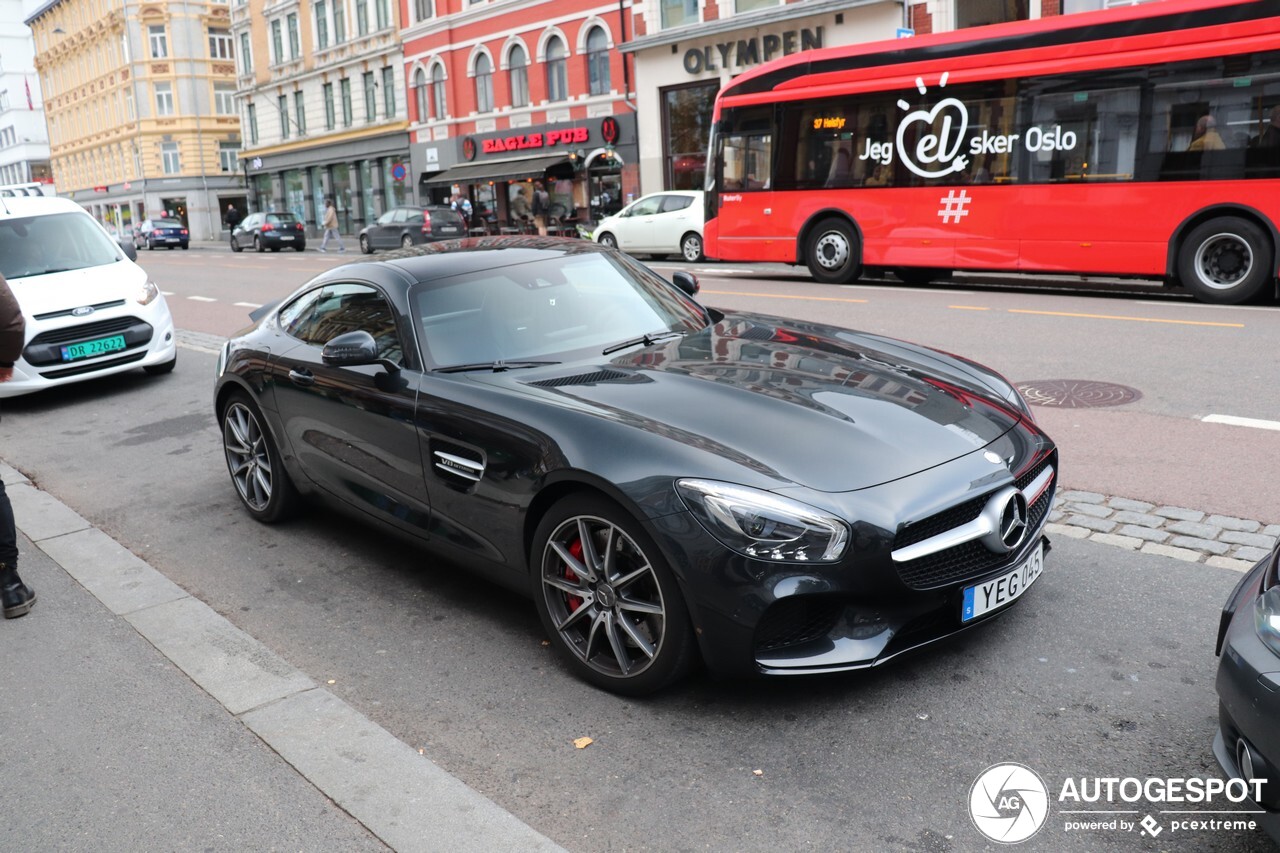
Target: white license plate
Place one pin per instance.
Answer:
(286, 239)
(171, 239)
(984, 597)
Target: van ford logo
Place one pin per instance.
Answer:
(82, 311)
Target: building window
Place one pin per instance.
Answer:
(322, 24)
(370, 97)
(382, 13)
(329, 121)
(557, 79)
(420, 94)
(976, 13)
(159, 42)
(228, 156)
(752, 5)
(299, 113)
(362, 17)
(282, 104)
(128, 105)
(676, 13)
(484, 83)
(339, 21)
(220, 44)
(518, 70)
(246, 59)
(598, 61)
(277, 42)
(164, 99)
(251, 119)
(224, 99)
(170, 159)
(295, 43)
(389, 91)
(438, 102)
(421, 10)
(345, 83)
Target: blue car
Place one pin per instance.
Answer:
(162, 231)
(1247, 744)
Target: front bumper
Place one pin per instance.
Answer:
(1248, 685)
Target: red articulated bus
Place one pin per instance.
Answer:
(1142, 141)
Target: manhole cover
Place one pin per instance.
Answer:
(1077, 393)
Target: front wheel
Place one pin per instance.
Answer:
(365, 246)
(607, 598)
(1226, 260)
(691, 248)
(607, 239)
(832, 252)
(257, 473)
(235, 246)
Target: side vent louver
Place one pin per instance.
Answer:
(457, 465)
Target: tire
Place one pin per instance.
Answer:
(691, 247)
(257, 244)
(607, 239)
(406, 242)
(235, 247)
(365, 247)
(920, 276)
(634, 638)
(162, 369)
(1227, 260)
(254, 462)
(299, 247)
(151, 247)
(186, 246)
(832, 252)
(275, 248)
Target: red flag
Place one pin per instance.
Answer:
(27, 83)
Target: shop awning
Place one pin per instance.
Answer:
(511, 169)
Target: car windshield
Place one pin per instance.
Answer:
(557, 309)
(38, 245)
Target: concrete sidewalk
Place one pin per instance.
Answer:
(135, 718)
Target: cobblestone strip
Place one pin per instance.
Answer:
(1170, 531)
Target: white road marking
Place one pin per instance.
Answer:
(201, 299)
(166, 293)
(905, 289)
(1205, 305)
(1244, 422)
(246, 304)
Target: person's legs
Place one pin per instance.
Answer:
(16, 596)
(325, 242)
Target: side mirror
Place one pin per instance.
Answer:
(353, 349)
(686, 281)
(130, 250)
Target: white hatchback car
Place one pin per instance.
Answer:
(660, 224)
(90, 310)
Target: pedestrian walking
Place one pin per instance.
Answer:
(331, 227)
(232, 217)
(541, 207)
(16, 596)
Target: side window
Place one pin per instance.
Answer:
(647, 206)
(414, 218)
(402, 214)
(672, 203)
(335, 309)
(386, 218)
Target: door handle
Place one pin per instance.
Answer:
(303, 377)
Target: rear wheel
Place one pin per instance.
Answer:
(257, 244)
(406, 242)
(365, 246)
(832, 252)
(607, 598)
(1227, 260)
(691, 248)
(300, 247)
(257, 473)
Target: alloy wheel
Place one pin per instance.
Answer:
(248, 456)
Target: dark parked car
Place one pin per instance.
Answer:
(274, 230)
(1247, 744)
(666, 480)
(405, 227)
(161, 231)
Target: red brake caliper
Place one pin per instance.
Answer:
(572, 601)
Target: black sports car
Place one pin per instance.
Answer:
(1247, 744)
(668, 481)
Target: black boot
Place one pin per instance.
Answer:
(16, 595)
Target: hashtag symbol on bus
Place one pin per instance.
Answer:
(954, 206)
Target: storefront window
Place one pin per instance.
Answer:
(262, 189)
(394, 193)
(317, 194)
(342, 190)
(366, 189)
(295, 193)
(686, 117)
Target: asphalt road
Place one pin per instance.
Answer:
(1104, 669)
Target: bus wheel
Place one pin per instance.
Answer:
(832, 252)
(918, 276)
(1225, 260)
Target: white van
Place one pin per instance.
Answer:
(90, 310)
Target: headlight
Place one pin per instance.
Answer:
(148, 293)
(763, 525)
(1266, 616)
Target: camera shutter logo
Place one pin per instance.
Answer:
(1008, 803)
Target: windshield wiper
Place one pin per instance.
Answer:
(648, 340)
(496, 366)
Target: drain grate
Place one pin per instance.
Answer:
(1077, 393)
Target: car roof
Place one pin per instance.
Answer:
(25, 205)
(457, 257)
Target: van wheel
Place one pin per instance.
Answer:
(832, 252)
(1226, 260)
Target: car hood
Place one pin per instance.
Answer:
(60, 291)
(822, 407)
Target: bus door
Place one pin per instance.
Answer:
(750, 224)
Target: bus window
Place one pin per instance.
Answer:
(1084, 128)
(747, 162)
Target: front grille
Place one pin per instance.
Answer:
(45, 349)
(84, 332)
(948, 519)
(795, 621)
